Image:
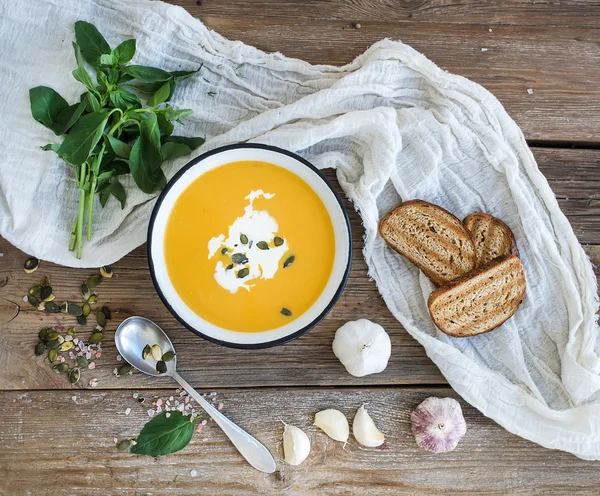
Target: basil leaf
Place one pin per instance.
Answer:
(146, 158)
(124, 52)
(117, 167)
(51, 146)
(81, 73)
(121, 149)
(182, 75)
(147, 74)
(118, 191)
(82, 139)
(175, 115)
(173, 150)
(46, 105)
(107, 59)
(164, 125)
(68, 117)
(149, 87)
(103, 176)
(92, 103)
(193, 143)
(124, 99)
(113, 75)
(160, 96)
(164, 435)
(92, 43)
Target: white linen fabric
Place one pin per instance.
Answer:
(395, 127)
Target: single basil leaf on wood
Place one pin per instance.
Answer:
(118, 191)
(164, 125)
(82, 139)
(175, 115)
(124, 52)
(182, 75)
(107, 59)
(51, 146)
(81, 73)
(164, 435)
(46, 105)
(160, 96)
(92, 43)
(68, 117)
(193, 143)
(147, 74)
(124, 99)
(93, 105)
(121, 149)
(174, 150)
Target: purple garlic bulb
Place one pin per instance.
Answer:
(438, 424)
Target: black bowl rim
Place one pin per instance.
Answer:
(267, 344)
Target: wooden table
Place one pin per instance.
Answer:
(58, 439)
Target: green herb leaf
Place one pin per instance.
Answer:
(121, 149)
(147, 74)
(93, 104)
(146, 158)
(118, 191)
(124, 52)
(118, 167)
(125, 99)
(174, 150)
(51, 146)
(164, 125)
(107, 59)
(68, 117)
(160, 96)
(182, 75)
(81, 73)
(175, 115)
(92, 43)
(164, 435)
(46, 105)
(82, 139)
(193, 143)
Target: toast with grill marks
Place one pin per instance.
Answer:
(492, 237)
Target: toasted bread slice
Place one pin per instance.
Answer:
(481, 301)
(492, 237)
(430, 237)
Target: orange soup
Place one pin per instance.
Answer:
(249, 246)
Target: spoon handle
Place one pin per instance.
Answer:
(253, 451)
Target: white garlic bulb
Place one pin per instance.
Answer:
(363, 347)
(365, 431)
(438, 424)
(296, 445)
(334, 423)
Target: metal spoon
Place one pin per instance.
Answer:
(136, 332)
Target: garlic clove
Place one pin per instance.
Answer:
(296, 445)
(363, 347)
(334, 423)
(365, 431)
(438, 424)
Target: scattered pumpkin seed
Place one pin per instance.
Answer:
(223, 250)
(239, 258)
(53, 344)
(72, 332)
(41, 306)
(250, 244)
(286, 312)
(94, 280)
(51, 335)
(74, 375)
(125, 444)
(60, 368)
(229, 267)
(106, 311)
(75, 310)
(106, 272)
(45, 293)
(82, 361)
(51, 307)
(243, 273)
(64, 307)
(101, 319)
(86, 309)
(156, 352)
(40, 348)
(262, 245)
(277, 241)
(168, 356)
(161, 367)
(124, 370)
(65, 346)
(44, 332)
(243, 239)
(45, 281)
(289, 261)
(33, 300)
(95, 338)
(52, 355)
(36, 291)
(85, 291)
(31, 265)
(92, 299)
(146, 352)
(60, 339)
(82, 320)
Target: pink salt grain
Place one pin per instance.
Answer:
(92, 365)
(220, 406)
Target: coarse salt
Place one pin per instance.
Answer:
(204, 422)
(159, 402)
(88, 354)
(490, 30)
(115, 440)
(159, 409)
(180, 408)
(74, 398)
(213, 393)
(68, 337)
(93, 382)
(171, 398)
(530, 91)
(220, 406)
(151, 412)
(76, 341)
(484, 49)
(98, 355)
(199, 428)
(25, 299)
(135, 395)
(193, 473)
(127, 411)
(119, 358)
(167, 414)
(92, 365)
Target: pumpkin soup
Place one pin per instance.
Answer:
(249, 246)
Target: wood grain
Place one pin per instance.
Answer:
(54, 444)
(308, 361)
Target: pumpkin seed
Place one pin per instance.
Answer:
(92, 299)
(86, 309)
(52, 355)
(45, 281)
(125, 444)
(94, 280)
(95, 338)
(72, 332)
(286, 312)
(85, 291)
(53, 344)
(65, 346)
(33, 300)
(289, 261)
(250, 244)
(156, 352)
(239, 258)
(75, 310)
(146, 352)
(60, 339)
(41, 306)
(243, 273)
(64, 307)
(82, 361)
(168, 356)
(106, 272)
(74, 375)
(101, 319)
(31, 265)
(40, 348)
(36, 291)
(124, 369)
(44, 332)
(243, 239)
(51, 307)
(45, 293)
(106, 311)
(82, 320)
(262, 245)
(229, 267)
(277, 241)
(60, 368)
(223, 251)
(161, 367)
(51, 335)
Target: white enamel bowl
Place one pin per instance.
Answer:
(156, 255)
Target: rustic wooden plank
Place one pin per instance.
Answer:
(53, 444)
(505, 12)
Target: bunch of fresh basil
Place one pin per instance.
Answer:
(109, 132)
